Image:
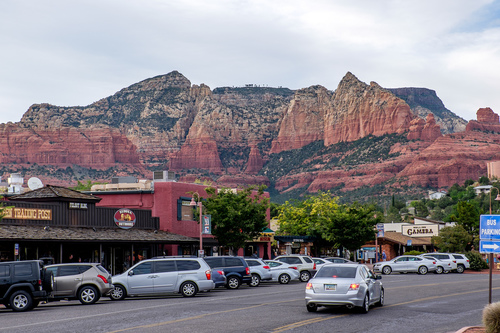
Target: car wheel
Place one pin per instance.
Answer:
(387, 270)
(255, 281)
(439, 270)
(445, 271)
(422, 270)
(88, 295)
(118, 293)
(305, 276)
(188, 289)
(233, 283)
(312, 307)
(21, 301)
(460, 269)
(381, 300)
(366, 304)
(284, 278)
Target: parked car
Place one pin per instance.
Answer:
(406, 264)
(462, 262)
(219, 278)
(304, 264)
(444, 263)
(319, 262)
(260, 271)
(23, 284)
(338, 260)
(164, 275)
(86, 282)
(235, 268)
(281, 272)
(351, 285)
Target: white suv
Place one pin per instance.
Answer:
(164, 275)
(462, 262)
(444, 261)
(305, 265)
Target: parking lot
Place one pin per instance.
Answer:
(414, 303)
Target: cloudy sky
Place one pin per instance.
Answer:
(76, 52)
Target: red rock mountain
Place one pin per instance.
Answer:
(305, 140)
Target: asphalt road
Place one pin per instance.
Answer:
(414, 303)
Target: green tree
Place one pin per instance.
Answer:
(483, 180)
(393, 215)
(306, 217)
(467, 217)
(452, 239)
(351, 226)
(420, 208)
(236, 217)
(84, 186)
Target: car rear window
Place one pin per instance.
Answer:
(214, 262)
(233, 262)
(84, 268)
(252, 263)
(68, 270)
(22, 269)
(337, 272)
(308, 260)
(102, 269)
(456, 256)
(188, 265)
(162, 266)
(4, 270)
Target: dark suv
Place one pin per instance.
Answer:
(23, 284)
(235, 268)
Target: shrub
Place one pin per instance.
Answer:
(412, 253)
(476, 261)
(491, 317)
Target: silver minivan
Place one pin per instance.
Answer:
(164, 275)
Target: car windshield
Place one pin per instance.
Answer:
(337, 272)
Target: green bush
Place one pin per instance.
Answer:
(412, 253)
(491, 317)
(476, 261)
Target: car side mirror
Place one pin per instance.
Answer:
(131, 272)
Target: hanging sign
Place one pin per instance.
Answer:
(207, 224)
(124, 218)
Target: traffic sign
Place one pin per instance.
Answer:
(489, 246)
(489, 227)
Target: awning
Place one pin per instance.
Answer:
(78, 234)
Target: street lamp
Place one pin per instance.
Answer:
(200, 204)
(490, 256)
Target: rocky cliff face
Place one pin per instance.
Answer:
(424, 101)
(487, 121)
(312, 138)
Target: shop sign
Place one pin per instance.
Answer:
(78, 205)
(422, 230)
(28, 214)
(124, 218)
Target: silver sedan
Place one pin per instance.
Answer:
(406, 264)
(351, 285)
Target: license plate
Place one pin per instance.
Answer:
(331, 287)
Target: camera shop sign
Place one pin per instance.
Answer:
(422, 230)
(124, 218)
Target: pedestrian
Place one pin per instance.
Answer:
(384, 257)
(254, 255)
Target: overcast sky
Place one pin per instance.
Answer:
(75, 52)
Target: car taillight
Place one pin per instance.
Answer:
(434, 262)
(354, 286)
(309, 285)
(467, 260)
(220, 272)
(454, 261)
(314, 267)
(208, 273)
(40, 284)
(293, 267)
(247, 270)
(267, 267)
(102, 278)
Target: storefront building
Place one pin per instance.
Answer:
(170, 202)
(62, 225)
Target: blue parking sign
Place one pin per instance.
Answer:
(489, 227)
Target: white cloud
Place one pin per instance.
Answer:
(76, 52)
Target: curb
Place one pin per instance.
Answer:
(473, 328)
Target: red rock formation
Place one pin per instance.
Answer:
(255, 161)
(303, 121)
(97, 148)
(487, 120)
(427, 130)
(360, 110)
